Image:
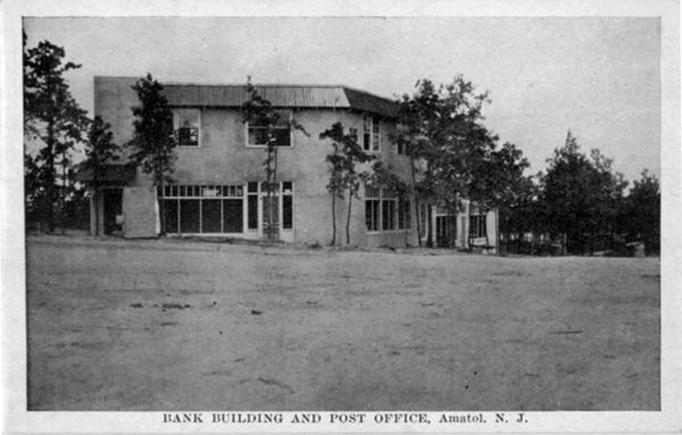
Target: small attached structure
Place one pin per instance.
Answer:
(106, 218)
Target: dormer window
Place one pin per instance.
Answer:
(186, 126)
(371, 133)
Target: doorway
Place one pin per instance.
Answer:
(270, 211)
(112, 202)
(446, 230)
(277, 212)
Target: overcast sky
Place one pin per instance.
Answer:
(600, 77)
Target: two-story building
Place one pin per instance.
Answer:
(219, 179)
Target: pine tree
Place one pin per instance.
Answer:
(52, 117)
(580, 196)
(642, 217)
(100, 151)
(153, 144)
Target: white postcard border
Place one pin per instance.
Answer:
(12, 270)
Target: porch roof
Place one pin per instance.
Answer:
(113, 174)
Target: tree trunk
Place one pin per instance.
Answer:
(63, 194)
(416, 200)
(49, 179)
(95, 198)
(498, 245)
(405, 214)
(470, 237)
(162, 210)
(350, 204)
(333, 217)
(429, 229)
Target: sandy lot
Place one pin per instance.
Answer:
(169, 325)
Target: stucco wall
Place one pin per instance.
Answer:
(140, 216)
(114, 99)
(224, 158)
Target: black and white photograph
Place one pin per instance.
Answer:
(439, 221)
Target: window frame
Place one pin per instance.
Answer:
(374, 207)
(369, 136)
(258, 193)
(287, 194)
(376, 135)
(199, 193)
(247, 125)
(401, 148)
(404, 214)
(390, 217)
(177, 127)
(478, 221)
(378, 197)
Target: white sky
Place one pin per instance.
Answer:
(600, 77)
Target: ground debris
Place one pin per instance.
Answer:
(136, 305)
(175, 306)
(567, 331)
(275, 382)
(224, 372)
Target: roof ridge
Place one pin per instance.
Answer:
(266, 85)
(190, 83)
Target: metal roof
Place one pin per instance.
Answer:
(295, 96)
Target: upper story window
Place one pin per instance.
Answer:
(404, 141)
(401, 147)
(186, 125)
(257, 135)
(371, 133)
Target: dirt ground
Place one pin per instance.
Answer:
(171, 325)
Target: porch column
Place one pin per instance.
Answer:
(93, 229)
